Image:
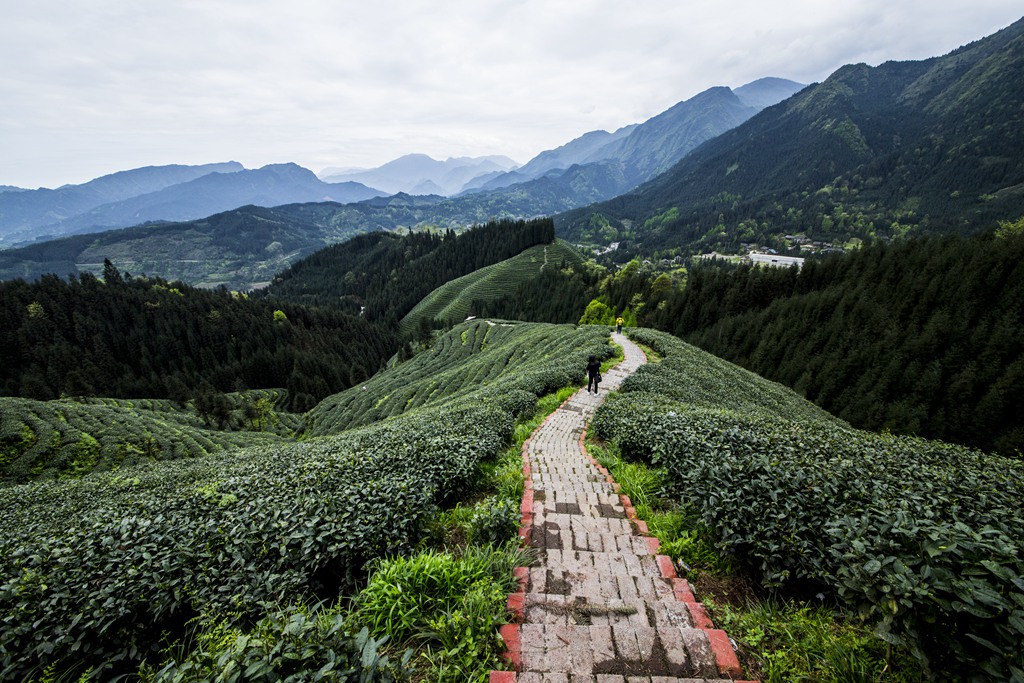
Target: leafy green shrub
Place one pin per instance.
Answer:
(40, 439)
(292, 644)
(495, 521)
(921, 537)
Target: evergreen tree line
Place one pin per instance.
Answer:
(919, 337)
(147, 338)
(385, 275)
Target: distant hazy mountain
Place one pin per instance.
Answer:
(421, 174)
(658, 143)
(872, 152)
(208, 194)
(26, 211)
(765, 92)
(647, 149)
(579, 151)
(11, 188)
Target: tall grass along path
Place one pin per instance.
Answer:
(601, 606)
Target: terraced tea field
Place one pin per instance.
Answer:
(76, 436)
(104, 570)
(452, 300)
(922, 538)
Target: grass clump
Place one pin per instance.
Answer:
(448, 605)
(790, 642)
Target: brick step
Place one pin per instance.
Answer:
(621, 648)
(551, 536)
(596, 585)
(531, 677)
(661, 612)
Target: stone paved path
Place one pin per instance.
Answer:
(602, 606)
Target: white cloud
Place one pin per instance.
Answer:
(112, 84)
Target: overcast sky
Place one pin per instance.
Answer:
(90, 88)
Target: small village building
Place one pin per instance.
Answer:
(775, 260)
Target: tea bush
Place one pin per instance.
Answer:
(921, 537)
(495, 521)
(290, 645)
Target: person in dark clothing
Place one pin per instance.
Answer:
(593, 373)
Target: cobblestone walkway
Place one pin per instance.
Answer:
(602, 606)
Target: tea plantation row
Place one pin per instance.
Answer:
(499, 355)
(75, 436)
(452, 300)
(920, 537)
(105, 570)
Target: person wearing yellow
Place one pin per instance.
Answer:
(618, 324)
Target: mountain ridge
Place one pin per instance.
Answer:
(198, 197)
(920, 146)
(24, 209)
(648, 148)
(411, 172)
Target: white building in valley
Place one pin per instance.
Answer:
(775, 260)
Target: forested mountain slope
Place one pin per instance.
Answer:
(239, 249)
(191, 197)
(901, 148)
(922, 337)
(140, 338)
(385, 275)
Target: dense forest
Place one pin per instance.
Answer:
(137, 337)
(919, 336)
(327, 323)
(385, 275)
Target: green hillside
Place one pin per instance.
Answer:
(199, 545)
(474, 359)
(933, 146)
(46, 439)
(920, 538)
(452, 300)
(238, 249)
(383, 276)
